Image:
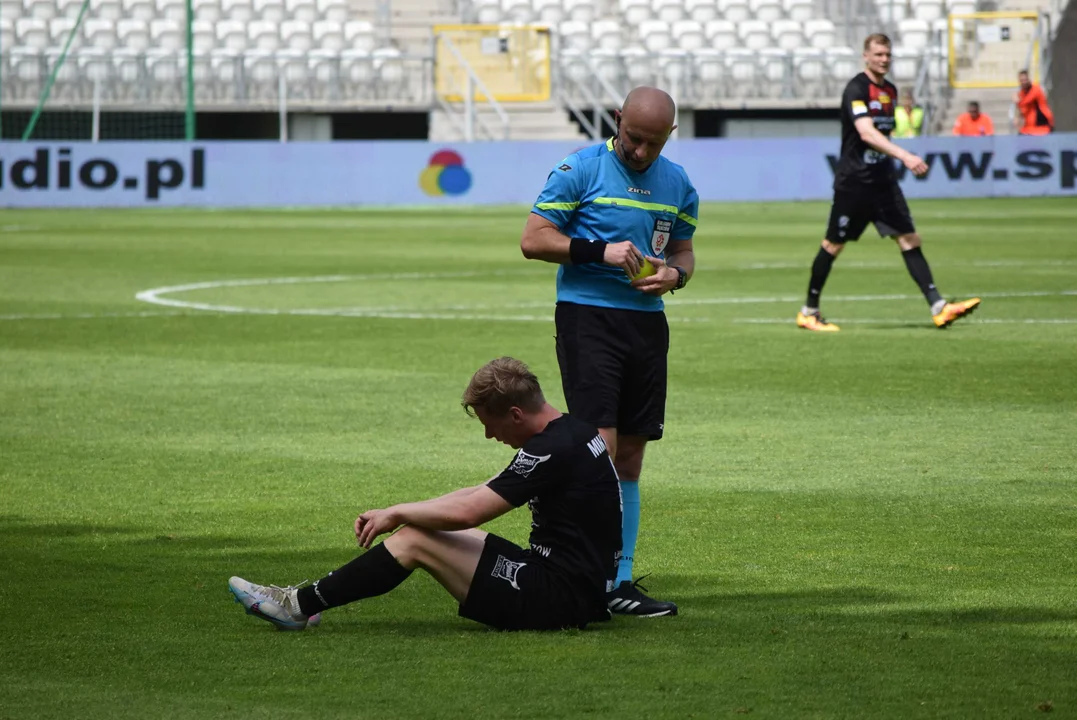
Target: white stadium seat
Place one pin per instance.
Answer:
(294, 67)
(820, 33)
(575, 35)
(549, 12)
(328, 35)
(580, 10)
(710, 68)
(799, 10)
(40, 9)
(204, 36)
(655, 35)
(517, 11)
(263, 36)
(702, 11)
(304, 11)
(904, 64)
(99, 34)
(324, 73)
(722, 34)
(67, 8)
(238, 10)
(913, 33)
(389, 68)
(207, 10)
(606, 34)
(126, 72)
(487, 12)
(743, 66)
(295, 34)
(787, 34)
(168, 35)
(754, 34)
(843, 63)
(357, 72)
(32, 32)
(144, 10)
(133, 35)
(638, 67)
(59, 30)
(231, 35)
(891, 11)
(961, 7)
(927, 10)
(172, 10)
(608, 66)
(359, 35)
(635, 11)
(95, 65)
(573, 66)
(668, 10)
(674, 70)
(734, 10)
(332, 10)
(688, 35)
(775, 71)
(7, 33)
(269, 10)
(766, 10)
(107, 9)
(810, 66)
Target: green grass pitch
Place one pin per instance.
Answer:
(878, 523)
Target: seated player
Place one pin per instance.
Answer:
(562, 470)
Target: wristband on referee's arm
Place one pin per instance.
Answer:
(582, 251)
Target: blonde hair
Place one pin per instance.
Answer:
(502, 384)
(878, 39)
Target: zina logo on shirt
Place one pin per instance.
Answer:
(524, 463)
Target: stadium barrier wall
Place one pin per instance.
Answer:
(257, 174)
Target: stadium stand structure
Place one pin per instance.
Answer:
(355, 54)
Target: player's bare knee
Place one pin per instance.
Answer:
(908, 242)
(833, 248)
(407, 545)
(629, 461)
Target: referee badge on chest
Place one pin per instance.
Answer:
(660, 236)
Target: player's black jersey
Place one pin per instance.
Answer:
(566, 477)
(860, 164)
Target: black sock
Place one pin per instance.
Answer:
(820, 269)
(921, 273)
(375, 572)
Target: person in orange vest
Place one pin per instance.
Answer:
(974, 123)
(1035, 116)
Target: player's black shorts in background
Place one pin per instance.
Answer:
(881, 203)
(613, 367)
(514, 590)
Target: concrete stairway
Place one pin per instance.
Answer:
(527, 121)
(406, 24)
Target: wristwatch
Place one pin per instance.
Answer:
(682, 277)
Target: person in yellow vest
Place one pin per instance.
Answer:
(908, 117)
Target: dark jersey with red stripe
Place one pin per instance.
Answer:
(859, 164)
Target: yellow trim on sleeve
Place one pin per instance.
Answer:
(557, 206)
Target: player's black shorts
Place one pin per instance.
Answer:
(883, 204)
(613, 367)
(514, 590)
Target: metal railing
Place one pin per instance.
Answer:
(467, 118)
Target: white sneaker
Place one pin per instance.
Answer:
(278, 605)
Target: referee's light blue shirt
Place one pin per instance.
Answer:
(593, 195)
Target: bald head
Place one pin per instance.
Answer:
(643, 126)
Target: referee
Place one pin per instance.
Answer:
(607, 212)
(865, 190)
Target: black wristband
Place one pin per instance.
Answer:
(682, 277)
(582, 251)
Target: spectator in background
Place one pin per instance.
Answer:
(908, 116)
(974, 123)
(1033, 114)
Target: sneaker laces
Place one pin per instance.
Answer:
(283, 597)
(636, 583)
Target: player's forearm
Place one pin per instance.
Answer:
(684, 259)
(448, 512)
(546, 244)
(877, 141)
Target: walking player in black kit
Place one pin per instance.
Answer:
(562, 471)
(865, 190)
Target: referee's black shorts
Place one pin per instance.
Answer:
(613, 367)
(513, 589)
(853, 208)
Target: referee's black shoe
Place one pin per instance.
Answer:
(627, 599)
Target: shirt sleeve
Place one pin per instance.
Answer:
(564, 189)
(989, 125)
(534, 470)
(854, 102)
(687, 217)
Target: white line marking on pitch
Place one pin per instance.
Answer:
(88, 316)
(862, 321)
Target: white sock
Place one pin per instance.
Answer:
(805, 310)
(937, 307)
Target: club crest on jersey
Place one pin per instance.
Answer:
(525, 463)
(876, 105)
(660, 236)
(884, 98)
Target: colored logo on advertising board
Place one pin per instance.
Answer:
(445, 175)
